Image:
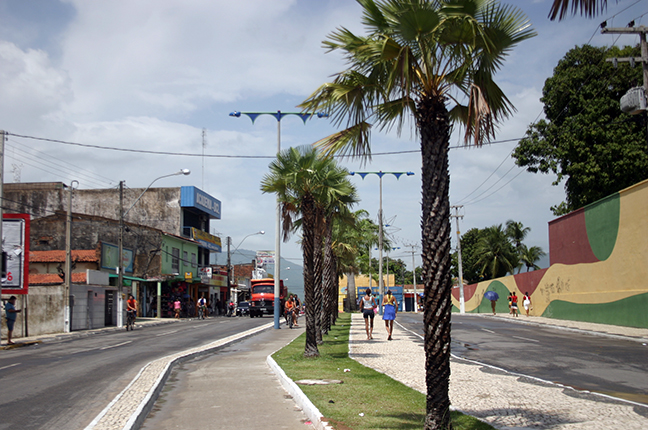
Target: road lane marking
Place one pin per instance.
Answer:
(11, 365)
(168, 332)
(115, 346)
(526, 338)
(490, 331)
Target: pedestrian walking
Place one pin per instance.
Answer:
(514, 304)
(11, 311)
(367, 306)
(177, 307)
(526, 302)
(390, 307)
(493, 303)
(510, 302)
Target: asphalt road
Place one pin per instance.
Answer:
(606, 365)
(65, 384)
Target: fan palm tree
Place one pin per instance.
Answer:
(497, 256)
(530, 256)
(517, 232)
(432, 62)
(301, 178)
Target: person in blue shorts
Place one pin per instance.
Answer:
(390, 306)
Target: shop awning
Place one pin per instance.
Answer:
(130, 278)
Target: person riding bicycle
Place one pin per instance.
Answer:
(131, 307)
(289, 308)
(202, 306)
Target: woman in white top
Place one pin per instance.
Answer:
(368, 304)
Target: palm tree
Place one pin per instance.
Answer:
(529, 256)
(589, 8)
(517, 232)
(417, 59)
(497, 256)
(301, 177)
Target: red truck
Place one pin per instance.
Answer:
(262, 291)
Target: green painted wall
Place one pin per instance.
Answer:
(602, 224)
(630, 312)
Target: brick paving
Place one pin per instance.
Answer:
(502, 399)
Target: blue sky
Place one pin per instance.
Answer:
(152, 74)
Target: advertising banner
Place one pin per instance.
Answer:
(265, 257)
(15, 244)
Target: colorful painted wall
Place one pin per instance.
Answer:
(598, 266)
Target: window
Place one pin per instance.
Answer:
(193, 259)
(175, 260)
(185, 258)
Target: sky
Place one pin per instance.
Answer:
(124, 77)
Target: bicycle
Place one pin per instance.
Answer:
(289, 318)
(201, 312)
(130, 320)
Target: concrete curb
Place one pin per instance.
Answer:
(129, 409)
(298, 396)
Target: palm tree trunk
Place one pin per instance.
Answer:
(318, 291)
(336, 289)
(433, 123)
(308, 243)
(328, 278)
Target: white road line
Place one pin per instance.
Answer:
(11, 365)
(490, 331)
(165, 333)
(526, 338)
(115, 346)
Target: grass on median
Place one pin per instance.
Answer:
(383, 402)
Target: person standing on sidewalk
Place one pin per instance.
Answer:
(390, 306)
(11, 311)
(526, 302)
(367, 305)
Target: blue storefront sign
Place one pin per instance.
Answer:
(192, 197)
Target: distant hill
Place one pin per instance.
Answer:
(292, 274)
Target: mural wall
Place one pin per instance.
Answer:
(598, 266)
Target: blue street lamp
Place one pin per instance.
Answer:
(380, 174)
(277, 272)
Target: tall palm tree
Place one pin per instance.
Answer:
(530, 256)
(497, 256)
(301, 177)
(418, 59)
(517, 232)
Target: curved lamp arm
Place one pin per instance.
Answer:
(181, 172)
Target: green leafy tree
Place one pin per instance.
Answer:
(586, 140)
(469, 257)
(432, 62)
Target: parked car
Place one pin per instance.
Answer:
(243, 309)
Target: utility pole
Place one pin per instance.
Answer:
(68, 262)
(229, 263)
(2, 140)
(413, 251)
(641, 31)
(462, 304)
(120, 262)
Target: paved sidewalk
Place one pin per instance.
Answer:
(504, 400)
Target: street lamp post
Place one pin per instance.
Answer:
(277, 275)
(380, 174)
(120, 262)
(229, 261)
